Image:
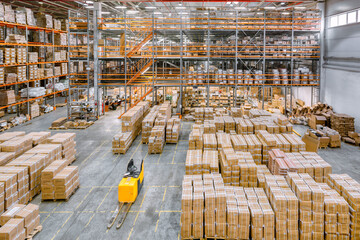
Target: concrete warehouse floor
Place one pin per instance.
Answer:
(156, 212)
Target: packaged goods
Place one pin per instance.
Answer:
(342, 123)
(67, 142)
(47, 176)
(173, 130)
(157, 139)
(38, 137)
(7, 97)
(66, 182)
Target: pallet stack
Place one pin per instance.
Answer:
(157, 139)
(67, 142)
(148, 123)
(342, 123)
(66, 182)
(349, 189)
(285, 205)
(47, 176)
(22, 182)
(173, 130)
(210, 142)
(38, 137)
(17, 145)
(19, 221)
(311, 201)
(279, 164)
(131, 127)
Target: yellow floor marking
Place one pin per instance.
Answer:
(89, 220)
(130, 233)
(164, 194)
(115, 159)
(103, 199)
(157, 222)
(158, 161)
(50, 213)
(143, 199)
(169, 211)
(62, 226)
(178, 236)
(296, 133)
(97, 149)
(84, 198)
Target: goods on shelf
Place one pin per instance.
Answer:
(33, 72)
(30, 18)
(44, 20)
(33, 92)
(34, 110)
(311, 205)
(148, 123)
(2, 75)
(15, 38)
(342, 123)
(9, 14)
(9, 56)
(173, 130)
(19, 221)
(57, 24)
(60, 39)
(131, 127)
(7, 97)
(349, 189)
(285, 205)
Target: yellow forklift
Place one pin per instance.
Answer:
(128, 190)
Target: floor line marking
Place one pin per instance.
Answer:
(157, 222)
(84, 198)
(115, 159)
(164, 194)
(62, 226)
(158, 161)
(96, 150)
(143, 199)
(89, 220)
(103, 199)
(50, 213)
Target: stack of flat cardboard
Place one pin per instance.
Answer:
(285, 205)
(342, 123)
(59, 122)
(311, 201)
(349, 189)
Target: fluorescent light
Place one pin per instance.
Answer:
(105, 13)
(157, 13)
(132, 12)
(240, 8)
(89, 2)
(259, 13)
(120, 7)
(184, 13)
(180, 7)
(269, 7)
(300, 8)
(228, 3)
(161, 17)
(285, 13)
(150, 7)
(89, 6)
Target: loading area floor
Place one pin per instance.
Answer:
(156, 212)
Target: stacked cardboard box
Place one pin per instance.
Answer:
(173, 130)
(224, 140)
(312, 164)
(285, 205)
(7, 97)
(193, 163)
(5, 157)
(59, 122)
(219, 124)
(349, 189)
(196, 137)
(22, 180)
(148, 124)
(165, 110)
(18, 145)
(254, 147)
(60, 39)
(210, 142)
(44, 20)
(296, 143)
(38, 137)
(208, 114)
(2, 74)
(27, 219)
(57, 71)
(131, 127)
(316, 120)
(244, 126)
(67, 142)
(239, 143)
(247, 169)
(337, 217)
(34, 110)
(261, 172)
(10, 135)
(199, 115)
(355, 137)
(21, 55)
(57, 24)
(262, 215)
(229, 124)
(64, 68)
(311, 205)
(209, 126)
(51, 152)
(157, 139)
(33, 72)
(10, 56)
(279, 164)
(10, 189)
(236, 112)
(342, 123)
(66, 182)
(33, 57)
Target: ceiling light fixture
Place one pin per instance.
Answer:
(105, 13)
(120, 7)
(89, 7)
(150, 7)
(269, 8)
(89, 2)
(300, 8)
(180, 7)
(285, 13)
(132, 12)
(157, 13)
(240, 8)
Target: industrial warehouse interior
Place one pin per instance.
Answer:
(180, 119)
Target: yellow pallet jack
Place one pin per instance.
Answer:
(128, 190)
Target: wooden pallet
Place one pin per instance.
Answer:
(60, 104)
(58, 128)
(34, 232)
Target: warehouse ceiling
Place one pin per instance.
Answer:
(59, 8)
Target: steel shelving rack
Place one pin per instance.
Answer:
(151, 51)
(16, 28)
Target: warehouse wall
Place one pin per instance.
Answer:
(341, 67)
